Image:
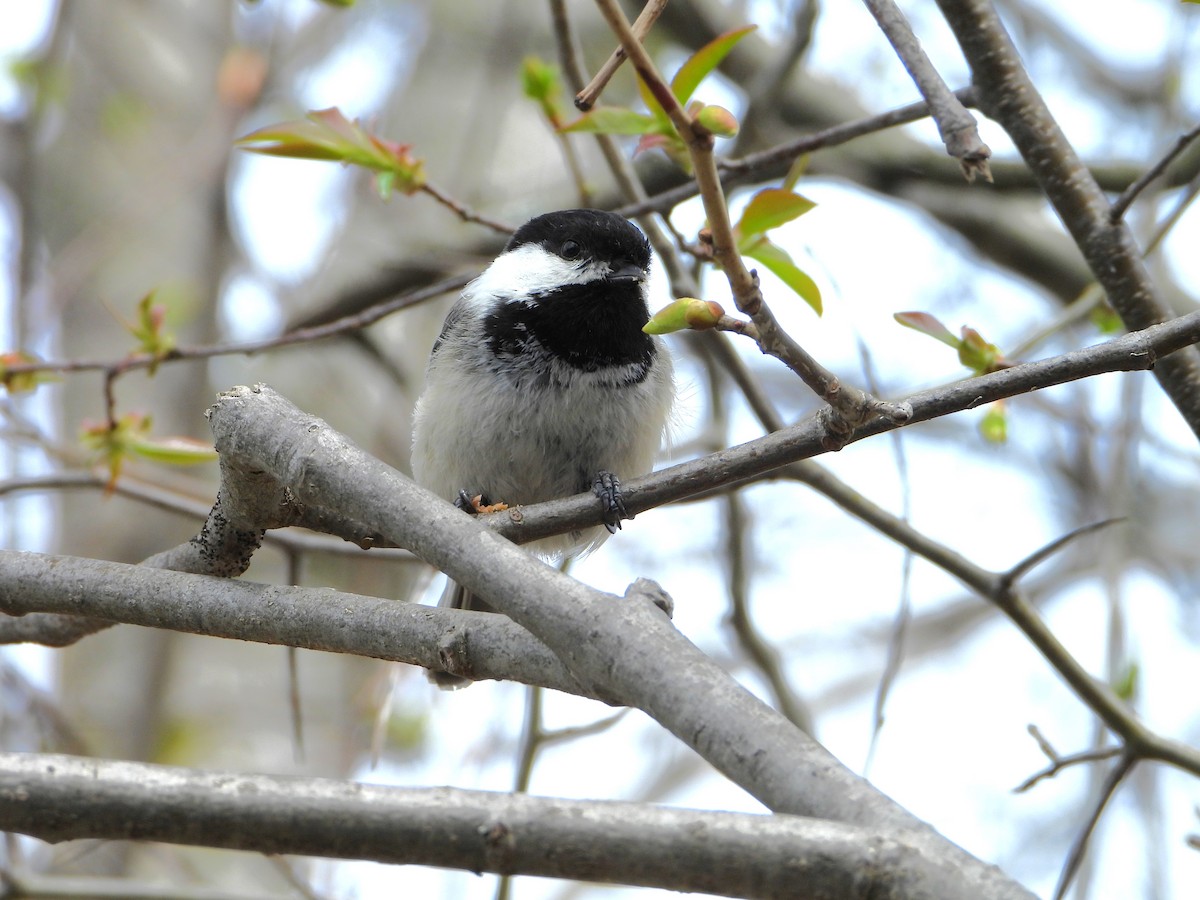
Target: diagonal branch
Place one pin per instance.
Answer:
(1009, 96)
(955, 124)
(848, 406)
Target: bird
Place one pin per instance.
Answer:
(542, 383)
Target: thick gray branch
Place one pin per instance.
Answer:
(59, 798)
(310, 618)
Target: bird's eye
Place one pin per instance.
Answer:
(569, 250)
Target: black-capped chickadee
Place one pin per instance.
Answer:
(542, 383)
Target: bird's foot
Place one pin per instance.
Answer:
(607, 487)
(478, 504)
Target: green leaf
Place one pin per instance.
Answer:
(1104, 317)
(685, 313)
(994, 424)
(927, 324)
(539, 79)
(614, 120)
(1126, 685)
(703, 61)
(149, 328)
(542, 84)
(175, 451)
(717, 120)
(326, 134)
(978, 355)
(112, 441)
(777, 260)
(769, 209)
(19, 382)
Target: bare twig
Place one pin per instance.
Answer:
(1123, 767)
(337, 327)
(586, 98)
(897, 640)
(1058, 763)
(1131, 193)
(760, 653)
(464, 212)
(955, 125)
(1017, 572)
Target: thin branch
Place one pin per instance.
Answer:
(897, 640)
(1131, 193)
(1123, 767)
(955, 125)
(739, 171)
(849, 407)
(31, 886)
(1017, 572)
(1058, 763)
(586, 98)
(343, 325)
(464, 212)
(763, 657)
(1140, 350)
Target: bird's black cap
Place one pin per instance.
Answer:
(594, 234)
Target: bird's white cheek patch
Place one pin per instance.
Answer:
(529, 270)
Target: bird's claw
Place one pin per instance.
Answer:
(607, 487)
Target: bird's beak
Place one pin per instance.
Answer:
(627, 272)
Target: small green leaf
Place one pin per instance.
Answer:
(149, 329)
(614, 120)
(994, 424)
(112, 441)
(542, 84)
(1126, 685)
(1105, 318)
(326, 134)
(176, 451)
(769, 209)
(539, 79)
(19, 382)
(703, 61)
(685, 313)
(777, 260)
(717, 120)
(927, 324)
(978, 355)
